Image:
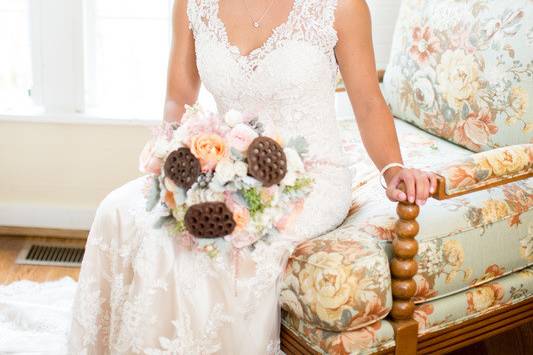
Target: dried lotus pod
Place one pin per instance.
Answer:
(182, 168)
(209, 220)
(266, 161)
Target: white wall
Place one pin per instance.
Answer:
(54, 174)
(384, 14)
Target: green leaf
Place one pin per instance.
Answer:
(253, 200)
(153, 195)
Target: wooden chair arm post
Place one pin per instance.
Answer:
(403, 268)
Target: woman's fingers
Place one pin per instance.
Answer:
(410, 185)
(419, 185)
(393, 193)
(433, 183)
(422, 188)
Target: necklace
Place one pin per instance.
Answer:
(257, 23)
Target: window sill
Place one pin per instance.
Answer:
(76, 118)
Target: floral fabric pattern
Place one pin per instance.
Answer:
(432, 316)
(451, 231)
(487, 167)
(463, 70)
(338, 282)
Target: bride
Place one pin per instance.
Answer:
(140, 290)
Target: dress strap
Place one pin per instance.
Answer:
(319, 18)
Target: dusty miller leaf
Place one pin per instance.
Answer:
(299, 144)
(152, 197)
(162, 221)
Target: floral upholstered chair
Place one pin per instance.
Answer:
(399, 279)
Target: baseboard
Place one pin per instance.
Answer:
(45, 217)
(43, 232)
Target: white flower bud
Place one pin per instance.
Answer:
(233, 117)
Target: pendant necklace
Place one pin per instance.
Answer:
(257, 23)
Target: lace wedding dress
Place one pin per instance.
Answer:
(140, 290)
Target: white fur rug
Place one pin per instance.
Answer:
(35, 317)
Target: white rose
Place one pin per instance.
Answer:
(195, 196)
(240, 168)
(289, 179)
(224, 171)
(161, 148)
(233, 117)
(294, 162)
(179, 135)
(458, 77)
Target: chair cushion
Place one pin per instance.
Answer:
(432, 316)
(463, 70)
(339, 281)
(464, 241)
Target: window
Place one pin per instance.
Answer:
(15, 62)
(127, 55)
(97, 58)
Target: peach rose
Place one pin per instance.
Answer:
(483, 297)
(209, 148)
(241, 216)
(241, 136)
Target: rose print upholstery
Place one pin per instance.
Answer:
(432, 316)
(463, 70)
(487, 168)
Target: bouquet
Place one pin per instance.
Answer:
(224, 177)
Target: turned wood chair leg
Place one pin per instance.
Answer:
(403, 268)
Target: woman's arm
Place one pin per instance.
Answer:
(183, 81)
(355, 55)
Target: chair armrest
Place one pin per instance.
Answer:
(484, 170)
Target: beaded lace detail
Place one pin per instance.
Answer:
(310, 21)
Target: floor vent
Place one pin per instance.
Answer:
(49, 255)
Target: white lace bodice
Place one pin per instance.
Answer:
(289, 80)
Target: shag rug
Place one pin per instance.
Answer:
(35, 317)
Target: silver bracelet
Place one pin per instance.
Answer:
(385, 168)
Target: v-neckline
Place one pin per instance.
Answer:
(256, 51)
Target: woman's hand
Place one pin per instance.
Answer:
(419, 185)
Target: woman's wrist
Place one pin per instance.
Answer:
(388, 172)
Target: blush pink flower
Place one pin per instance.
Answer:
(201, 125)
(475, 131)
(241, 136)
(148, 162)
(424, 46)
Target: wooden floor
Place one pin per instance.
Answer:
(10, 246)
(518, 341)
